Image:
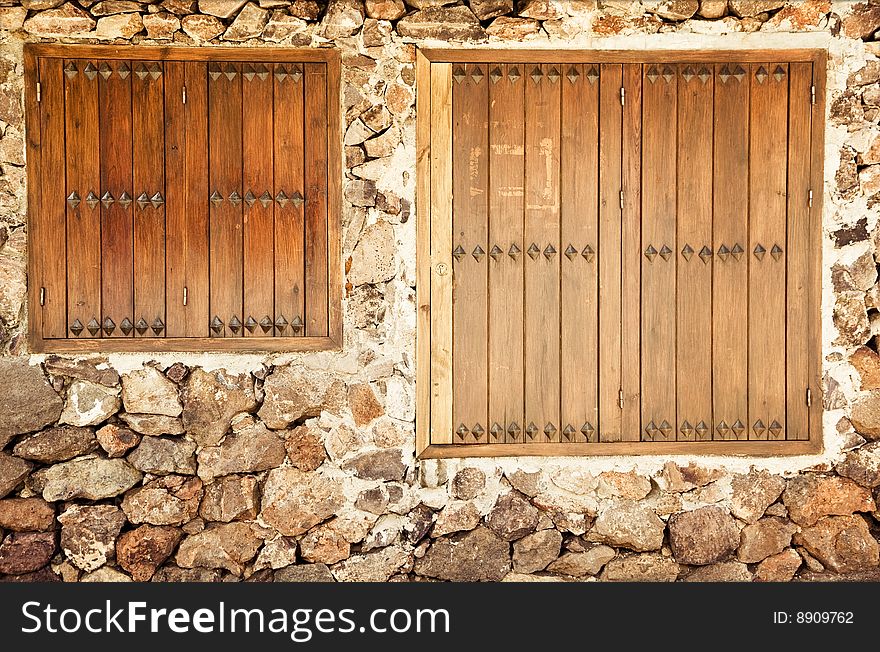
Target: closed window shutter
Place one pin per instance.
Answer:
(632, 254)
(197, 202)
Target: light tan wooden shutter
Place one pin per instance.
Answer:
(622, 253)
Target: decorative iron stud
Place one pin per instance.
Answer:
(250, 324)
(665, 252)
(478, 253)
(736, 251)
(477, 431)
(570, 252)
(90, 71)
(705, 74)
(296, 72)
(76, 327)
(234, 324)
(650, 253)
(266, 324)
(141, 326)
(759, 428)
(70, 70)
(280, 73)
(686, 428)
(513, 74)
(705, 254)
(141, 71)
(779, 73)
(214, 71)
(105, 70)
(262, 72)
(73, 199)
(234, 198)
(248, 72)
(230, 71)
(514, 251)
(776, 252)
(157, 200)
(549, 251)
(266, 199)
(462, 431)
(536, 74)
(109, 326)
(458, 74)
(297, 199)
(573, 74)
(249, 198)
(476, 74)
(737, 428)
(531, 430)
(496, 75)
(297, 324)
(651, 429)
(588, 253)
(652, 76)
(587, 430)
(126, 326)
(687, 73)
(158, 326)
(458, 253)
(496, 252)
(123, 70)
(92, 200)
(568, 432)
(217, 324)
(549, 429)
(553, 75)
(280, 324)
(775, 428)
(668, 73)
(93, 327)
(761, 74)
(593, 75)
(496, 431)
(665, 428)
(687, 252)
(143, 201)
(759, 251)
(533, 251)
(282, 198)
(723, 428)
(701, 429)
(723, 252)
(124, 200)
(107, 199)
(513, 430)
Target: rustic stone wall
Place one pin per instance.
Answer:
(301, 466)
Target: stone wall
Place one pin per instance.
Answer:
(301, 466)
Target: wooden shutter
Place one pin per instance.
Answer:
(619, 253)
(199, 199)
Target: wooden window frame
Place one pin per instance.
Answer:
(330, 57)
(434, 255)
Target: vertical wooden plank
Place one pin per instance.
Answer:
(316, 198)
(797, 341)
(629, 379)
(224, 160)
(117, 290)
(659, 247)
(506, 160)
(441, 253)
(729, 275)
(579, 283)
(47, 226)
(609, 250)
(334, 197)
(694, 306)
(423, 252)
(541, 304)
(768, 248)
(186, 196)
(259, 223)
(470, 186)
(148, 145)
(83, 185)
(288, 194)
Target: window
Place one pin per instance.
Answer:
(183, 199)
(620, 252)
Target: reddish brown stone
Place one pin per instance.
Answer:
(26, 515)
(842, 543)
(143, 550)
(811, 496)
(305, 449)
(364, 405)
(26, 552)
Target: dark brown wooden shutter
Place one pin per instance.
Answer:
(632, 248)
(198, 199)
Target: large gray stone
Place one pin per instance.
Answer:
(169, 500)
(89, 533)
(628, 524)
(57, 444)
(211, 399)
(250, 450)
(88, 404)
(27, 402)
(90, 478)
(163, 456)
(148, 391)
(478, 555)
(294, 501)
(229, 546)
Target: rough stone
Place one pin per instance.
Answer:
(89, 478)
(13, 471)
(769, 536)
(512, 517)
(56, 444)
(865, 415)
(105, 574)
(277, 553)
(141, 551)
(221, 8)
(712, 9)
(811, 496)
(117, 441)
(162, 456)
(92, 370)
(295, 501)
(282, 26)
(851, 319)
(26, 515)
(26, 552)
(211, 399)
(535, 551)
(486, 9)
(12, 18)
(386, 464)
(324, 544)
(867, 363)
(161, 26)
(616, 484)
(202, 28)
(647, 567)
(385, 9)
(468, 483)
(752, 8)
(305, 448)
(442, 23)
(172, 573)
(67, 20)
(779, 568)
(383, 144)
(753, 493)
(343, 18)
(89, 533)
(153, 424)
(249, 23)
(581, 564)
(118, 26)
(862, 465)
(148, 391)
(456, 517)
(842, 543)
(364, 405)
(373, 259)
(376, 566)
(305, 573)
(542, 9)
(628, 524)
(169, 500)
(863, 21)
(674, 10)
(291, 394)
(27, 402)
(725, 571)
(231, 498)
(478, 555)
(360, 192)
(703, 536)
(253, 450)
(507, 28)
(88, 404)
(229, 546)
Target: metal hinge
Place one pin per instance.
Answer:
(42, 296)
(620, 398)
(39, 92)
(810, 199)
(622, 96)
(184, 94)
(621, 200)
(813, 94)
(185, 295)
(809, 397)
